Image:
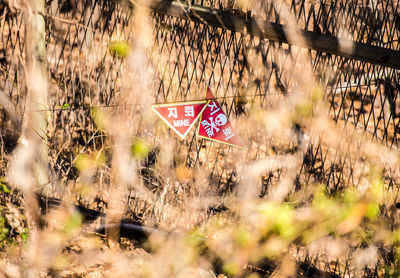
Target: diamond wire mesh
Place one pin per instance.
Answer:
(12, 82)
(84, 74)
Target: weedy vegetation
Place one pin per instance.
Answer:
(93, 184)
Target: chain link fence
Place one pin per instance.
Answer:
(246, 72)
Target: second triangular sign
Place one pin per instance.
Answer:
(214, 124)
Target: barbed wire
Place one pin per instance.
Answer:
(74, 108)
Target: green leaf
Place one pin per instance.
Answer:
(242, 236)
(85, 162)
(119, 49)
(24, 235)
(65, 106)
(317, 92)
(372, 210)
(231, 269)
(304, 109)
(100, 118)
(5, 189)
(140, 148)
(73, 223)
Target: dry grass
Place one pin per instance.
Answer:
(309, 195)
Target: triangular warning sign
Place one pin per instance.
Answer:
(209, 94)
(180, 117)
(214, 124)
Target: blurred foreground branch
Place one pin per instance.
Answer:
(35, 123)
(29, 167)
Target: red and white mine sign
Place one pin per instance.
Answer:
(214, 124)
(180, 117)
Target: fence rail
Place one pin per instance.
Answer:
(238, 21)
